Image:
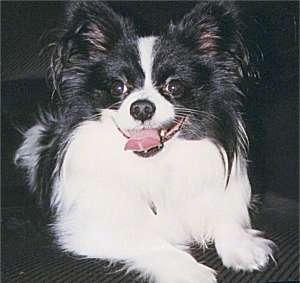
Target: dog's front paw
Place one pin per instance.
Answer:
(248, 251)
(175, 267)
(186, 272)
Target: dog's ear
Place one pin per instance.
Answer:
(211, 27)
(214, 29)
(93, 27)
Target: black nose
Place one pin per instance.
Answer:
(142, 110)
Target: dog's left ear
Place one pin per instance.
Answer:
(212, 28)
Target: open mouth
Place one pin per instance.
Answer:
(148, 142)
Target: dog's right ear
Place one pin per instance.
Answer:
(93, 27)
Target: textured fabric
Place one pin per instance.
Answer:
(29, 255)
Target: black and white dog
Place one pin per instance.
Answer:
(146, 150)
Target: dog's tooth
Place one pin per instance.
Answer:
(162, 133)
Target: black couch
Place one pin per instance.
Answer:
(28, 253)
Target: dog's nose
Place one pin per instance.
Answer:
(142, 110)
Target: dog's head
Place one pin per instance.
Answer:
(184, 81)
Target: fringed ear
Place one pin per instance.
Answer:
(209, 25)
(91, 29)
(212, 28)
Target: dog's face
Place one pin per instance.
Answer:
(183, 81)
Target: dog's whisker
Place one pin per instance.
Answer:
(114, 105)
(93, 117)
(98, 115)
(189, 112)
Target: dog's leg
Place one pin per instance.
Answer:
(173, 265)
(215, 212)
(239, 246)
(242, 248)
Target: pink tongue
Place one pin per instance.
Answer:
(143, 140)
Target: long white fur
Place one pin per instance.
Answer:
(28, 154)
(106, 193)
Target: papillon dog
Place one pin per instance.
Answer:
(145, 151)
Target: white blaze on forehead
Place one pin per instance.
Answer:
(164, 112)
(145, 46)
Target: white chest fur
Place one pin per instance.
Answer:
(104, 187)
(96, 157)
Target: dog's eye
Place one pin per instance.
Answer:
(174, 88)
(118, 88)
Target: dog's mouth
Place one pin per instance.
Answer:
(148, 142)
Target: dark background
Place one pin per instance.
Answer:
(271, 110)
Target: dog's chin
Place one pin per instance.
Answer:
(150, 152)
(148, 142)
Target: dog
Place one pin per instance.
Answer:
(145, 149)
